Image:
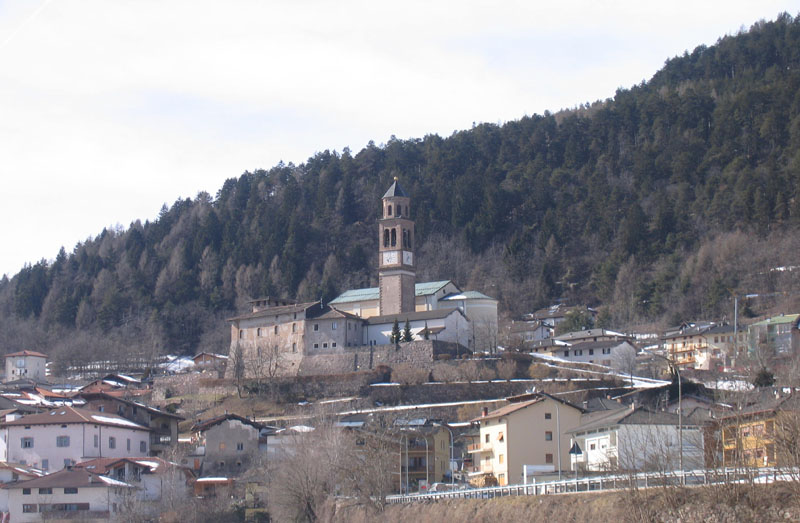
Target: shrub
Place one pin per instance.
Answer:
(408, 375)
(446, 373)
(539, 371)
(507, 370)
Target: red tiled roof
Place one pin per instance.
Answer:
(64, 415)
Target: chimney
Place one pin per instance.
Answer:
(633, 405)
(585, 405)
(485, 412)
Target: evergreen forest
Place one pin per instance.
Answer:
(657, 206)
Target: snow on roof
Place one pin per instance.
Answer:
(114, 482)
(116, 421)
(204, 480)
(301, 428)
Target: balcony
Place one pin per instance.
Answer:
(479, 447)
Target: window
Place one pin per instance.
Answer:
(334, 326)
(386, 237)
(241, 334)
(67, 463)
(96, 440)
(62, 441)
(294, 327)
(112, 442)
(142, 446)
(316, 345)
(240, 447)
(389, 210)
(45, 464)
(548, 458)
(487, 438)
(591, 352)
(394, 237)
(566, 354)
(294, 347)
(258, 332)
(275, 331)
(70, 490)
(45, 490)
(26, 492)
(548, 435)
(548, 415)
(27, 443)
(500, 437)
(333, 344)
(28, 508)
(128, 445)
(316, 327)
(324, 345)
(20, 363)
(501, 458)
(592, 446)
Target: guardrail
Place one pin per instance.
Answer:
(600, 483)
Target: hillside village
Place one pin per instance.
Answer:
(410, 387)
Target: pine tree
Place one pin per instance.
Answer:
(425, 333)
(395, 336)
(407, 336)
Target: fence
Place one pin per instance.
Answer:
(600, 483)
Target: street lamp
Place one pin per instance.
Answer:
(452, 444)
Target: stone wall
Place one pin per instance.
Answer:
(422, 354)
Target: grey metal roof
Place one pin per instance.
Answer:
(395, 190)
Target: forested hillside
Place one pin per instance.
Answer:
(657, 204)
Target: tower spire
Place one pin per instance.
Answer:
(396, 264)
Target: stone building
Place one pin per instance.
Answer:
(278, 335)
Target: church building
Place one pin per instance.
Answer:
(365, 317)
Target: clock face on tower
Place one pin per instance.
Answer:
(389, 258)
(408, 258)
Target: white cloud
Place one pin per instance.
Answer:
(110, 108)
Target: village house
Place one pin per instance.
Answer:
(227, 445)
(152, 477)
(11, 473)
(555, 314)
(530, 431)
(67, 435)
(26, 364)
(601, 352)
(752, 436)
(69, 494)
(163, 425)
(702, 345)
(425, 445)
(775, 336)
(632, 438)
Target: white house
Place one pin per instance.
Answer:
(153, 477)
(67, 435)
(66, 494)
(11, 473)
(635, 439)
(26, 364)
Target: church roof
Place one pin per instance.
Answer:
(373, 293)
(466, 295)
(412, 316)
(395, 190)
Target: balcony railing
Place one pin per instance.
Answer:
(479, 447)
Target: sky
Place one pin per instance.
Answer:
(111, 108)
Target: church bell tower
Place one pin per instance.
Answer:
(396, 264)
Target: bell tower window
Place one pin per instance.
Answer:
(394, 237)
(386, 237)
(389, 210)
